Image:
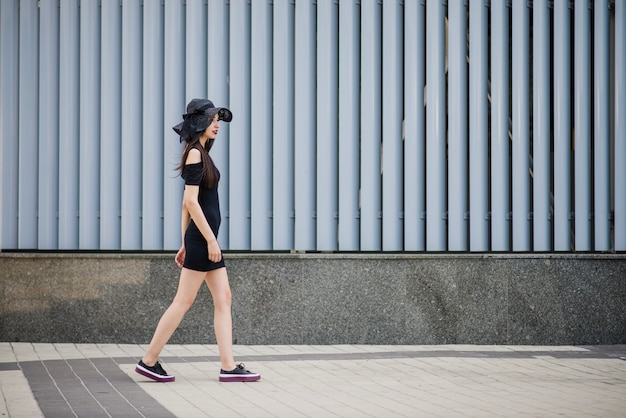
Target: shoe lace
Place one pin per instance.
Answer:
(159, 369)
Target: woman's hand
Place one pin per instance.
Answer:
(180, 256)
(215, 253)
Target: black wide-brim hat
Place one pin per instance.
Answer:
(200, 114)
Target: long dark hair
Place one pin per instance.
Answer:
(210, 173)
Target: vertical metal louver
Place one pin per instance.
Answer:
(358, 125)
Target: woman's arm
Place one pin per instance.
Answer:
(184, 223)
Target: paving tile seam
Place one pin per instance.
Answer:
(48, 390)
(383, 355)
(99, 370)
(81, 387)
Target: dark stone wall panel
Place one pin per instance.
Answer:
(361, 298)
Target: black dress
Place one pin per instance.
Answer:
(197, 253)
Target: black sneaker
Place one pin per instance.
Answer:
(239, 374)
(155, 372)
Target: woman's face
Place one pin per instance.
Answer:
(212, 130)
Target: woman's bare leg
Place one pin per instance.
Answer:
(188, 286)
(217, 281)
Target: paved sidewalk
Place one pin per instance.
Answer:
(98, 380)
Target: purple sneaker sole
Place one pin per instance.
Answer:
(153, 376)
(225, 377)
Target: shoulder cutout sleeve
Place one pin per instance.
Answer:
(192, 173)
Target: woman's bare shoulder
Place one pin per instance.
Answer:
(193, 157)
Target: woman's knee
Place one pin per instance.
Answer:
(217, 281)
(182, 303)
(223, 298)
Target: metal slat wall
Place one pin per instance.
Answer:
(89, 128)
(174, 96)
(542, 230)
(435, 127)
(582, 127)
(327, 127)
(391, 112)
(601, 122)
(110, 125)
(48, 192)
(348, 125)
(131, 134)
(9, 100)
(414, 127)
(619, 177)
(69, 143)
(457, 126)
(305, 172)
(422, 125)
(562, 128)
(520, 81)
(261, 144)
(478, 138)
(283, 126)
(500, 143)
(240, 135)
(151, 134)
(28, 125)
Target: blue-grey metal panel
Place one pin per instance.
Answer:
(89, 131)
(601, 139)
(110, 126)
(131, 133)
(521, 130)
(96, 88)
(48, 183)
(478, 137)
(582, 126)
(28, 124)
(392, 134)
(174, 106)
(414, 127)
(327, 125)
(283, 125)
(348, 125)
(240, 134)
(261, 126)
(152, 132)
(217, 91)
(304, 135)
(69, 116)
(500, 161)
(542, 228)
(435, 127)
(457, 189)
(9, 143)
(562, 127)
(620, 127)
(371, 127)
(349, 58)
(195, 49)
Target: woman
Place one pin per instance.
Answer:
(200, 256)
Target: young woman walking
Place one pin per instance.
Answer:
(200, 256)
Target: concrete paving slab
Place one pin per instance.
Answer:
(316, 381)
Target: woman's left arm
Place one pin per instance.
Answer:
(185, 217)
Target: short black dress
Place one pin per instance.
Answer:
(197, 252)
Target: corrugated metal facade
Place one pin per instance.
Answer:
(358, 125)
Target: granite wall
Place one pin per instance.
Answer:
(323, 298)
